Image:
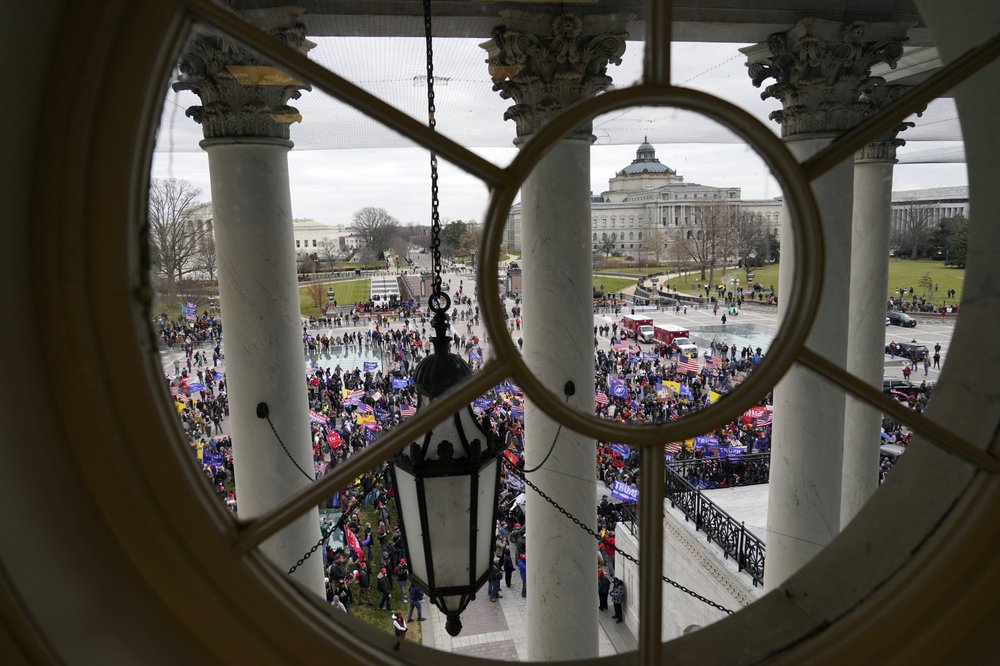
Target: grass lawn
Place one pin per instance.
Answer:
(347, 292)
(646, 270)
(611, 284)
(903, 273)
(369, 612)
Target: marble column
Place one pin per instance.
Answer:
(821, 68)
(545, 63)
(873, 168)
(245, 118)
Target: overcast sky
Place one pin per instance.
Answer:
(343, 161)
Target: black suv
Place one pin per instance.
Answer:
(900, 386)
(911, 350)
(900, 319)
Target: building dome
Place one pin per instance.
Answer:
(645, 162)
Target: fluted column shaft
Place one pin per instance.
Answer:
(821, 70)
(545, 63)
(245, 117)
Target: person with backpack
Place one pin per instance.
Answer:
(416, 596)
(385, 587)
(402, 575)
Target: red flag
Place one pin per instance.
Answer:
(352, 542)
(333, 439)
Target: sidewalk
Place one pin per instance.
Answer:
(499, 630)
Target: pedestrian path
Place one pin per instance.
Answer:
(498, 630)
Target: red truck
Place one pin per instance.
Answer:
(640, 328)
(677, 337)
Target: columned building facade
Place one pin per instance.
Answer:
(648, 204)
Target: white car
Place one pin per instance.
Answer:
(685, 346)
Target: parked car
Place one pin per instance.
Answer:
(911, 350)
(890, 384)
(900, 319)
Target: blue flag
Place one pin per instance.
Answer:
(398, 383)
(617, 387)
(371, 366)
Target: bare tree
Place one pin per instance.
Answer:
(914, 228)
(329, 249)
(317, 292)
(175, 237)
(605, 246)
(748, 239)
(708, 244)
(376, 228)
(206, 259)
(654, 246)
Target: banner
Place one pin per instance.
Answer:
(371, 366)
(212, 458)
(622, 449)
(617, 387)
(371, 434)
(649, 356)
(686, 392)
(352, 543)
(705, 440)
(482, 404)
(731, 451)
(398, 383)
(196, 387)
(624, 492)
(316, 417)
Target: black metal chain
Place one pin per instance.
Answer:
(285, 449)
(585, 528)
(432, 123)
(305, 557)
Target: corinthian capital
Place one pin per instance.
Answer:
(546, 63)
(242, 96)
(821, 70)
(884, 148)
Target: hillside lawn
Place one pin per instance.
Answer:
(903, 273)
(611, 284)
(347, 292)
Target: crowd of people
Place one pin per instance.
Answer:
(350, 408)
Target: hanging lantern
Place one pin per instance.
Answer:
(446, 489)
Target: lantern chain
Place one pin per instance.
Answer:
(308, 554)
(432, 124)
(585, 528)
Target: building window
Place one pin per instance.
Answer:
(298, 243)
(314, 242)
(640, 235)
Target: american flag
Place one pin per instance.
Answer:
(407, 410)
(601, 398)
(672, 448)
(713, 361)
(622, 346)
(686, 364)
(766, 421)
(366, 408)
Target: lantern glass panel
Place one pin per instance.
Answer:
(484, 519)
(406, 488)
(448, 499)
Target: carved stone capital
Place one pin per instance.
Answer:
(822, 69)
(884, 149)
(241, 95)
(547, 65)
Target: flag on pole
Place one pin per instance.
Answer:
(601, 398)
(316, 417)
(352, 542)
(617, 386)
(407, 410)
(685, 364)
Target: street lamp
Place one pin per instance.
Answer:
(446, 488)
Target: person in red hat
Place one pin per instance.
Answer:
(603, 587)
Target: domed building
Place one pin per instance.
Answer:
(646, 197)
